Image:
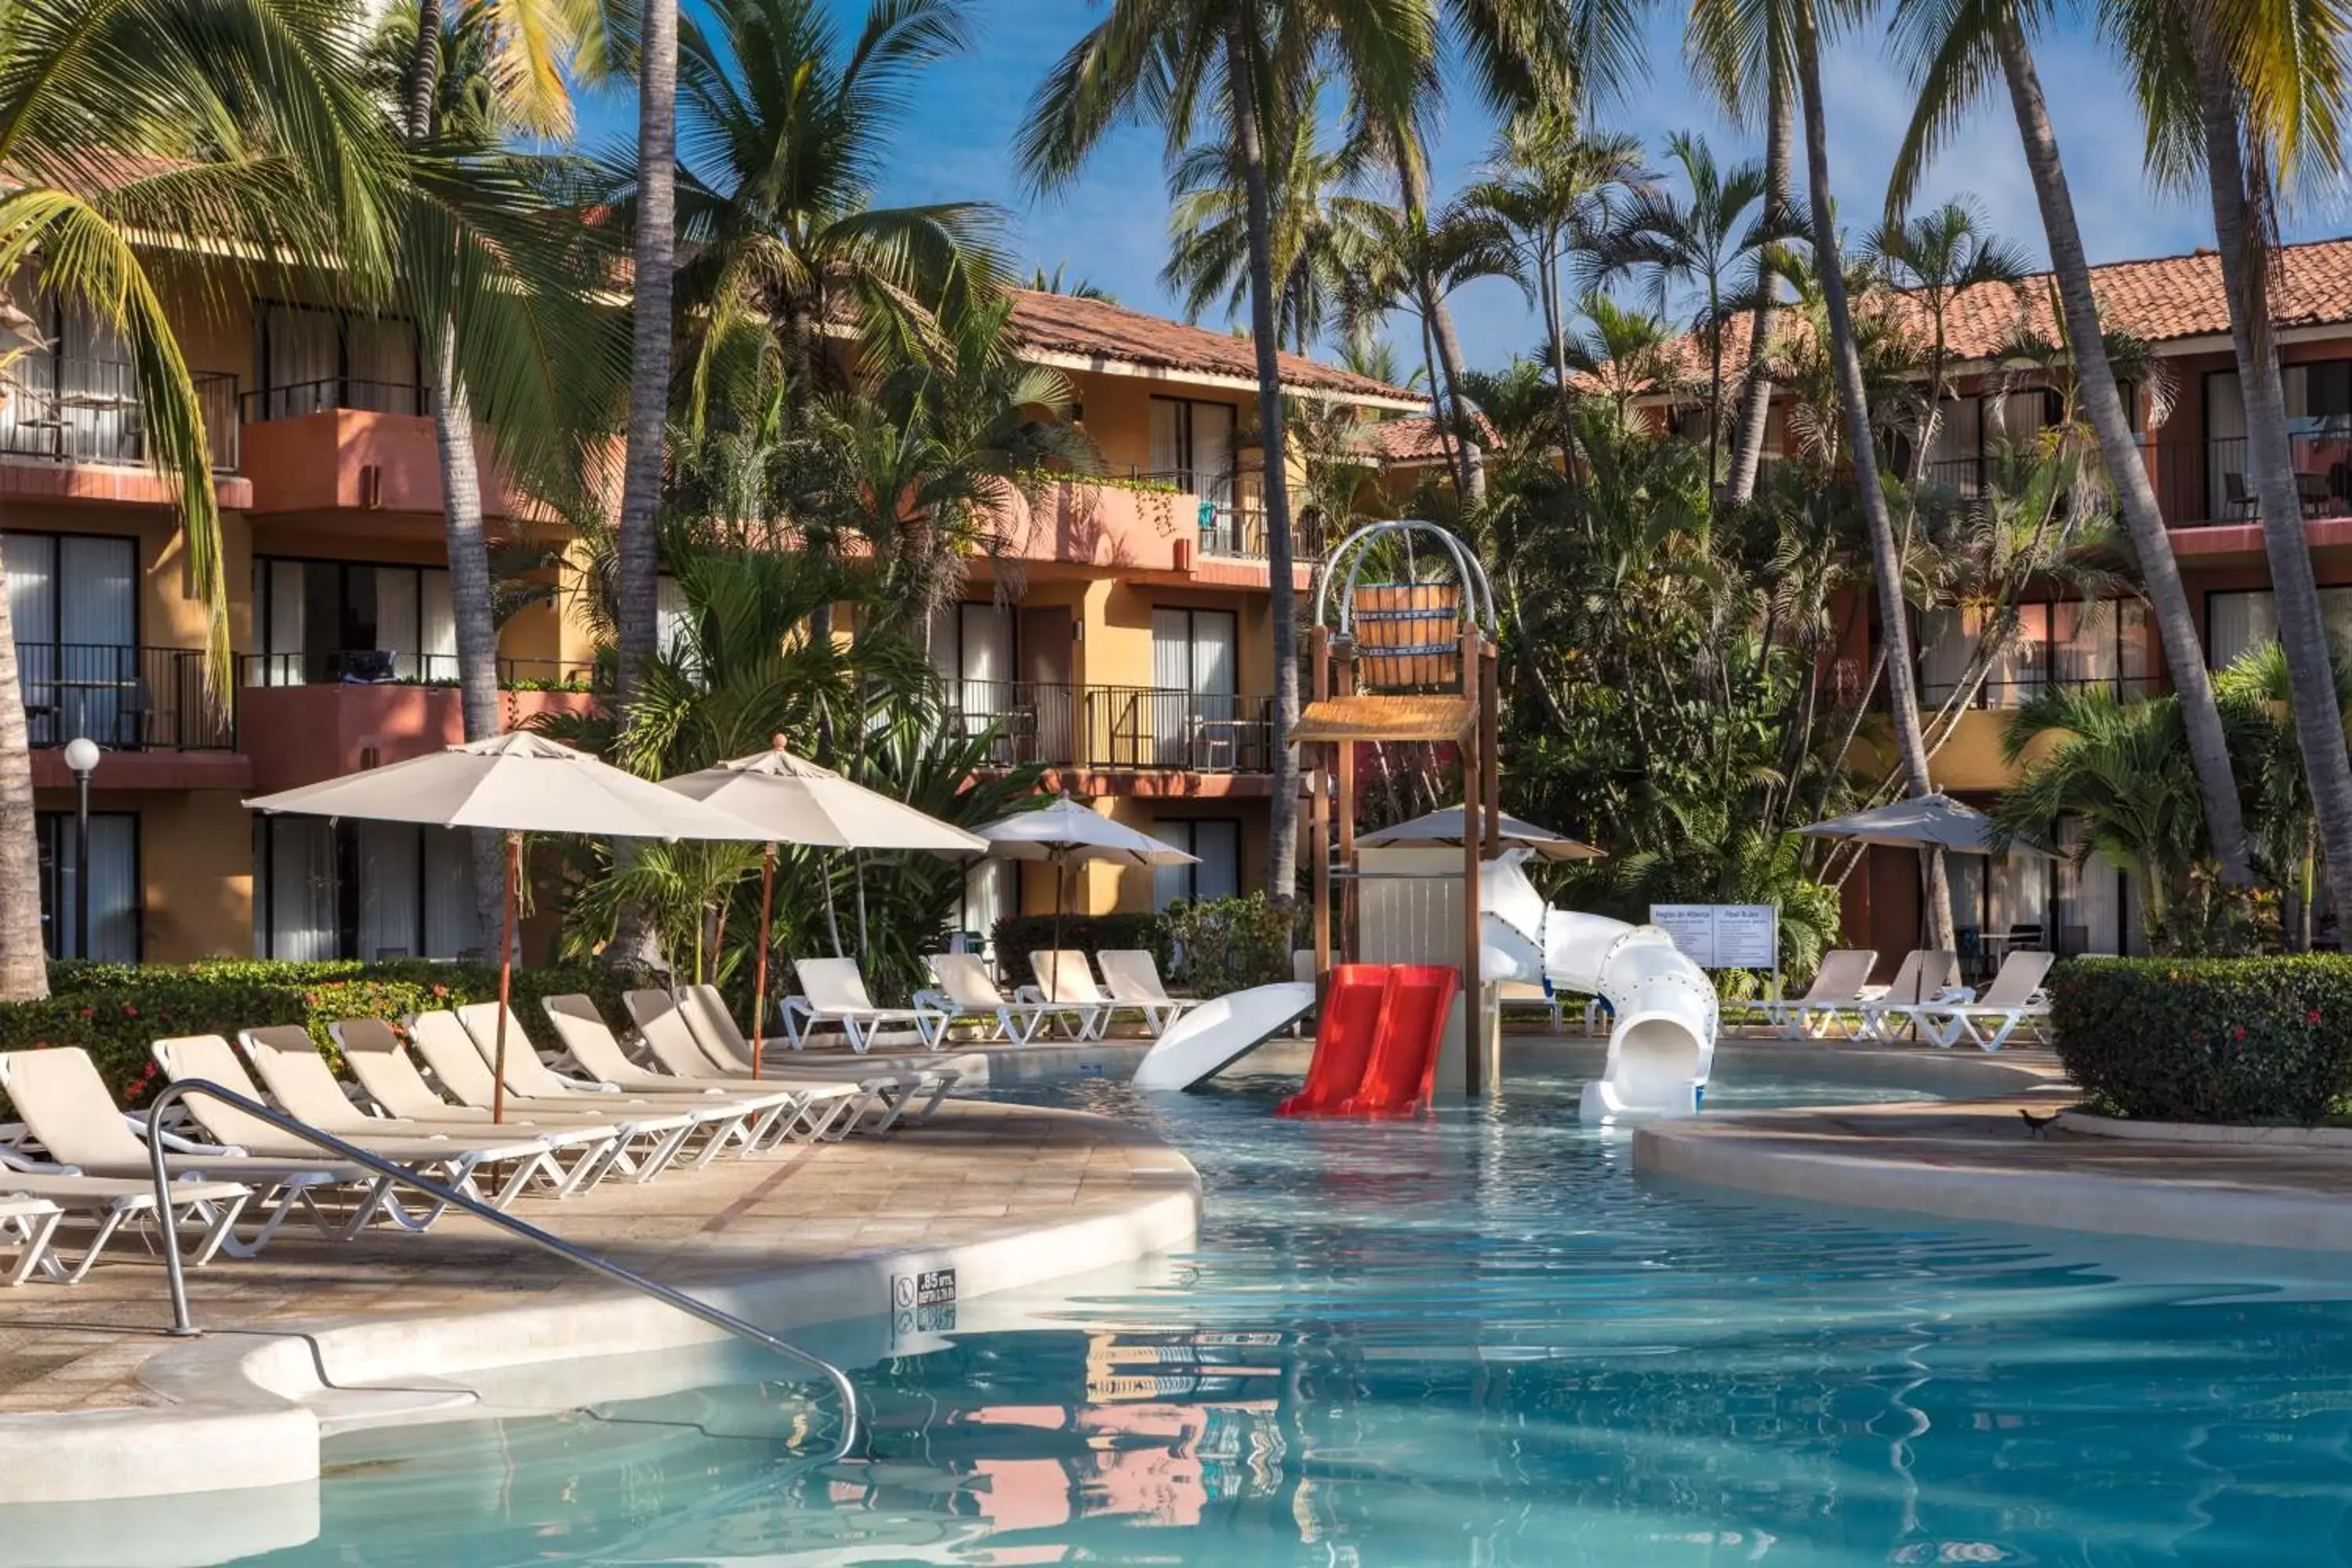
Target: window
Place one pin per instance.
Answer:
(991, 890)
(1997, 895)
(74, 600)
(1216, 842)
(1192, 444)
(2242, 619)
(2101, 642)
(2095, 904)
(117, 909)
(361, 890)
(342, 620)
(313, 359)
(1195, 718)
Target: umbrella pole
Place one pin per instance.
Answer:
(1061, 902)
(506, 980)
(832, 921)
(858, 869)
(760, 969)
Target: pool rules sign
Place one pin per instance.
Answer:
(1723, 936)
(923, 1304)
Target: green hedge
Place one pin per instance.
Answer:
(1018, 936)
(116, 1012)
(2216, 1039)
(1231, 945)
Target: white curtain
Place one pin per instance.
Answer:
(301, 361)
(382, 374)
(1212, 452)
(96, 396)
(1946, 637)
(2021, 893)
(1170, 883)
(2237, 621)
(1219, 846)
(32, 563)
(437, 638)
(287, 610)
(1171, 680)
(397, 618)
(305, 889)
(1963, 874)
(1168, 443)
(2089, 895)
(1958, 439)
(2225, 449)
(389, 912)
(114, 892)
(98, 694)
(990, 891)
(449, 920)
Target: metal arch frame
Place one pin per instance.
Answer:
(1481, 594)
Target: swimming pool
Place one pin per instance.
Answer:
(1474, 1341)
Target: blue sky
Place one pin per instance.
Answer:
(1110, 226)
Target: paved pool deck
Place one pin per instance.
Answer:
(314, 1336)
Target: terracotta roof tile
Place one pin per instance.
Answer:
(1416, 438)
(1095, 329)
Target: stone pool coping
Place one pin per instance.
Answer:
(302, 1342)
(2092, 1125)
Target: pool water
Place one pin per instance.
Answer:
(1478, 1341)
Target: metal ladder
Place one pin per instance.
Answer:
(183, 1326)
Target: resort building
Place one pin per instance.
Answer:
(2193, 429)
(1119, 637)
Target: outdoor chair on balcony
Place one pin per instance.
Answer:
(2237, 502)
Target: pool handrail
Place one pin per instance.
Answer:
(183, 1325)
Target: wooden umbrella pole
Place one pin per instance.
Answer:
(760, 965)
(1061, 898)
(506, 979)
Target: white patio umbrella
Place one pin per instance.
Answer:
(513, 784)
(796, 800)
(1066, 833)
(1920, 822)
(1445, 827)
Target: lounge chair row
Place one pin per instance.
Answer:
(1925, 997)
(78, 1169)
(1066, 997)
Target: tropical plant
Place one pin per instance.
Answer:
(1235, 64)
(244, 122)
(1934, 257)
(1058, 282)
(2256, 692)
(1550, 194)
(1627, 351)
(1955, 52)
(1718, 241)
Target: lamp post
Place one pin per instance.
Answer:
(81, 756)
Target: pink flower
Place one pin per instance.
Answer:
(2239, 1033)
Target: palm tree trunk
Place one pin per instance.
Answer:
(461, 512)
(1755, 395)
(1282, 874)
(23, 960)
(1415, 180)
(2240, 234)
(649, 348)
(1556, 337)
(2176, 623)
(1894, 632)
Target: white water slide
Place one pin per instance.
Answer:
(1663, 1045)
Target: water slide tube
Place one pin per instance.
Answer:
(1662, 1047)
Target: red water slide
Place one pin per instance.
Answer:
(1376, 1043)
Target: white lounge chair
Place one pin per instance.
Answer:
(1837, 989)
(650, 1140)
(565, 1159)
(1524, 994)
(968, 992)
(2014, 1000)
(1066, 979)
(839, 1104)
(719, 1122)
(911, 1094)
(103, 1205)
(783, 1107)
(1926, 974)
(834, 992)
(27, 1225)
(68, 1111)
(453, 1163)
(1131, 975)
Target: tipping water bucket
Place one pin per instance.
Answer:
(1408, 635)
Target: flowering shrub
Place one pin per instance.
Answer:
(116, 1012)
(2210, 1039)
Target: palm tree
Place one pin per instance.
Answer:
(1551, 193)
(653, 260)
(1718, 241)
(2254, 93)
(2257, 692)
(1317, 226)
(1629, 352)
(1186, 63)
(1055, 282)
(1886, 565)
(97, 110)
(1952, 50)
(1935, 257)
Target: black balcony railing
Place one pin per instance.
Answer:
(126, 699)
(2200, 483)
(356, 393)
(1128, 728)
(382, 666)
(1960, 477)
(2003, 694)
(1024, 721)
(1139, 728)
(87, 411)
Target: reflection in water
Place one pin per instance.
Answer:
(1475, 1340)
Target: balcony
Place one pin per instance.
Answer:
(87, 411)
(125, 699)
(312, 716)
(347, 444)
(1998, 695)
(1114, 729)
(385, 667)
(2208, 484)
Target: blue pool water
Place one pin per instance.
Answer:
(1477, 1342)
